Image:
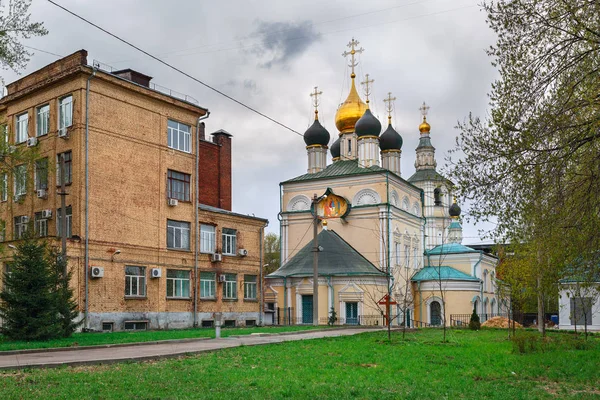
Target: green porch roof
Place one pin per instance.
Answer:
(428, 175)
(446, 273)
(338, 258)
(451, 248)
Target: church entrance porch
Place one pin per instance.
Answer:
(307, 309)
(351, 313)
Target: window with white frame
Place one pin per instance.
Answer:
(65, 113)
(68, 172)
(178, 136)
(22, 124)
(230, 286)
(208, 285)
(207, 239)
(42, 120)
(178, 185)
(20, 177)
(178, 235)
(59, 217)
(21, 223)
(406, 255)
(178, 283)
(135, 281)
(40, 225)
(229, 245)
(398, 254)
(41, 174)
(250, 287)
(4, 133)
(4, 187)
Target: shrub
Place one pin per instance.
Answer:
(525, 342)
(474, 323)
(332, 317)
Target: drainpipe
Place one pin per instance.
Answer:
(481, 290)
(285, 289)
(196, 222)
(331, 302)
(87, 182)
(261, 258)
(389, 268)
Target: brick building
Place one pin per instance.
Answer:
(142, 255)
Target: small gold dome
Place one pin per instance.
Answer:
(350, 111)
(424, 127)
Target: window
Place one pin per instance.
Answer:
(250, 322)
(2, 231)
(178, 185)
(7, 272)
(178, 136)
(41, 225)
(20, 226)
(437, 196)
(228, 236)
(208, 323)
(349, 146)
(65, 113)
(41, 174)
(4, 133)
(207, 239)
(178, 283)
(229, 323)
(398, 254)
(69, 221)
(230, 287)
(43, 120)
(22, 125)
(208, 285)
(3, 187)
(68, 168)
(250, 287)
(406, 256)
(416, 258)
(20, 180)
(136, 325)
(178, 235)
(581, 310)
(135, 281)
(107, 326)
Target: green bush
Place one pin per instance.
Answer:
(526, 342)
(332, 317)
(474, 323)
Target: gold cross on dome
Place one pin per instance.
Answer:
(424, 109)
(315, 100)
(389, 106)
(367, 85)
(353, 51)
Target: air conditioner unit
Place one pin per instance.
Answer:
(97, 272)
(24, 219)
(46, 214)
(32, 141)
(155, 272)
(173, 202)
(242, 252)
(42, 194)
(222, 278)
(62, 133)
(216, 257)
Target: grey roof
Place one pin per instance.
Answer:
(227, 212)
(338, 258)
(428, 175)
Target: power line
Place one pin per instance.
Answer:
(176, 69)
(44, 51)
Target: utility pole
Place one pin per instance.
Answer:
(315, 263)
(63, 214)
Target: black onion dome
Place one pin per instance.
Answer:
(316, 134)
(390, 139)
(367, 125)
(454, 210)
(335, 148)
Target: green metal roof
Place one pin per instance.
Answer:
(339, 168)
(338, 258)
(428, 175)
(451, 248)
(446, 273)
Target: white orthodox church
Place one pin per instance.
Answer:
(395, 233)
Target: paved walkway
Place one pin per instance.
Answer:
(156, 350)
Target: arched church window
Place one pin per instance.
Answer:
(435, 311)
(405, 204)
(437, 196)
(299, 203)
(366, 196)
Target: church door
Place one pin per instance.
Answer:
(351, 313)
(435, 312)
(307, 309)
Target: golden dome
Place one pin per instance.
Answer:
(350, 111)
(424, 127)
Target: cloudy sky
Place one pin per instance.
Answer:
(270, 54)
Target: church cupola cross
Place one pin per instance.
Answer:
(352, 53)
(424, 109)
(389, 106)
(315, 100)
(367, 84)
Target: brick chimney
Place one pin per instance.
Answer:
(133, 76)
(214, 171)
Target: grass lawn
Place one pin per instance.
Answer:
(473, 365)
(92, 339)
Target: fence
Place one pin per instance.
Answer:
(525, 319)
